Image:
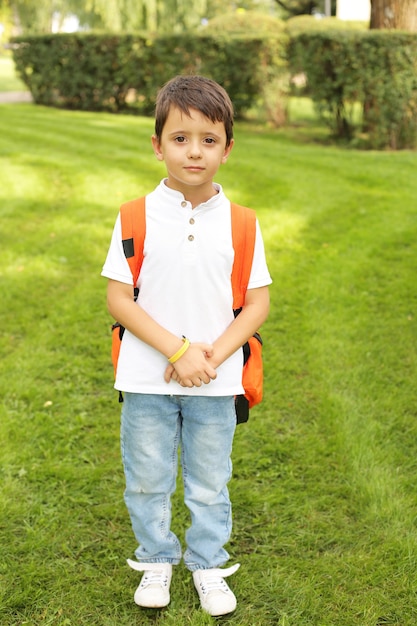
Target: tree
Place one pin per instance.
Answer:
(292, 8)
(32, 17)
(296, 7)
(395, 14)
(36, 16)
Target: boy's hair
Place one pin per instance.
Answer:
(194, 92)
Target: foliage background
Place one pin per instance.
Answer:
(375, 69)
(115, 72)
(162, 16)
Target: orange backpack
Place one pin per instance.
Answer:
(133, 221)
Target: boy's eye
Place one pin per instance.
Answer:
(180, 139)
(210, 140)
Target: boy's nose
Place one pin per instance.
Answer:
(194, 151)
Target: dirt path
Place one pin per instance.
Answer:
(14, 97)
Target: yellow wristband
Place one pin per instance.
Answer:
(181, 351)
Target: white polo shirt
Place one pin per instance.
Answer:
(185, 286)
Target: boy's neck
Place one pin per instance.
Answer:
(195, 195)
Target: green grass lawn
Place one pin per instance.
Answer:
(324, 485)
(8, 79)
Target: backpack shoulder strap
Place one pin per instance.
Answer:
(133, 219)
(243, 237)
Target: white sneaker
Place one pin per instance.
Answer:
(153, 591)
(215, 595)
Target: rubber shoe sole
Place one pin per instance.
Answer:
(216, 597)
(153, 590)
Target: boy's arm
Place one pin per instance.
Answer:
(253, 314)
(194, 366)
(250, 319)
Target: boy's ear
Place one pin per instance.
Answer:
(227, 151)
(157, 148)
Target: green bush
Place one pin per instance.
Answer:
(244, 22)
(308, 23)
(377, 69)
(121, 72)
(388, 64)
(274, 85)
(77, 72)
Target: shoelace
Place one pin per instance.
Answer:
(213, 583)
(212, 579)
(154, 577)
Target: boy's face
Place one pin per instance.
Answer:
(193, 148)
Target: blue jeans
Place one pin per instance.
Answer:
(153, 427)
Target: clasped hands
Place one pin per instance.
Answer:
(193, 368)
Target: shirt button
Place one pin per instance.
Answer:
(192, 220)
(190, 237)
(183, 203)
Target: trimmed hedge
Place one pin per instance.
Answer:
(346, 70)
(377, 69)
(235, 22)
(310, 23)
(121, 72)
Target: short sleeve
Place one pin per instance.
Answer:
(260, 276)
(116, 266)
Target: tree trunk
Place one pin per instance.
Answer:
(395, 14)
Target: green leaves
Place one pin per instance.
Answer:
(110, 72)
(373, 70)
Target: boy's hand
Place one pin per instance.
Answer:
(192, 369)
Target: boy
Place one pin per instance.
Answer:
(180, 363)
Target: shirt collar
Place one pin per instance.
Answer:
(172, 195)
